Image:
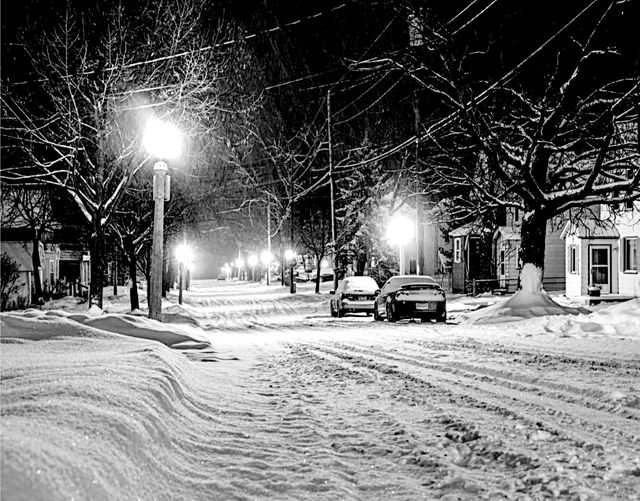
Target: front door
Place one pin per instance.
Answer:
(600, 267)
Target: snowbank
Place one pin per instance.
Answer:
(37, 324)
(522, 305)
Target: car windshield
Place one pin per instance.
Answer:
(360, 284)
(396, 283)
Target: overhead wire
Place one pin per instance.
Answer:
(436, 127)
(200, 49)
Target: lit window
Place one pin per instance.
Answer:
(457, 250)
(573, 259)
(630, 254)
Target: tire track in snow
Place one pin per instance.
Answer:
(553, 427)
(621, 419)
(523, 399)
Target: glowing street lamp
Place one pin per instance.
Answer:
(226, 269)
(267, 257)
(239, 264)
(400, 232)
(164, 142)
(184, 255)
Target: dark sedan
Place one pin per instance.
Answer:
(411, 296)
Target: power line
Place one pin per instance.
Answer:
(475, 17)
(201, 49)
(481, 97)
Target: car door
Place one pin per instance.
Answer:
(381, 300)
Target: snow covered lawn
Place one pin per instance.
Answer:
(247, 391)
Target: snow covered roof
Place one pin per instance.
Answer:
(591, 228)
(507, 233)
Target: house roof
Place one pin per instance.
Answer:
(591, 228)
(466, 229)
(507, 233)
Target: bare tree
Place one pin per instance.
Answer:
(98, 75)
(564, 138)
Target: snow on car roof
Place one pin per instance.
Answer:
(360, 282)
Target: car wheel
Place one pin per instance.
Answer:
(442, 316)
(391, 317)
(334, 313)
(339, 310)
(376, 315)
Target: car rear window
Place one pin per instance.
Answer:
(361, 283)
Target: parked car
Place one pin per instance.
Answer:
(353, 295)
(222, 277)
(411, 296)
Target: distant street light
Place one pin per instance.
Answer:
(226, 270)
(400, 232)
(289, 256)
(266, 257)
(164, 142)
(184, 255)
(253, 262)
(239, 265)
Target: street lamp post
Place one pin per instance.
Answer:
(266, 257)
(155, 300)
(184, 255)
(289, 255)
(162, 141)
(253, 261)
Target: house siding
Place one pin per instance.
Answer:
(554, 261)
(628, 225)
(625, 225)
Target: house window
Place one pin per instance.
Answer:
(630, 254)
(516, 215)
(457, 250)
(573, 259)
(502, 270)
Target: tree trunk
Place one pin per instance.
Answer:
(133, 291)
(97, 258)
(318, 276)
(35, 261)
(532, 248)
(361, 263)
(115, 275)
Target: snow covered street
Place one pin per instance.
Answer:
(290, 403)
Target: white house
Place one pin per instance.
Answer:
(602, 253)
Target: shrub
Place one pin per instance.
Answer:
(10, 272)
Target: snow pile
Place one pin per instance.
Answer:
(95, 405)
(88, 414)
(621, 319)
(522, 305)
(37, 324)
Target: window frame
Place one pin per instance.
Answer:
(573, 259)
(457, 249)
(625, 255)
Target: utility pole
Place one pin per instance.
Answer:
(269, 241)
(292, 285)
(416, 112)
(332, 188)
